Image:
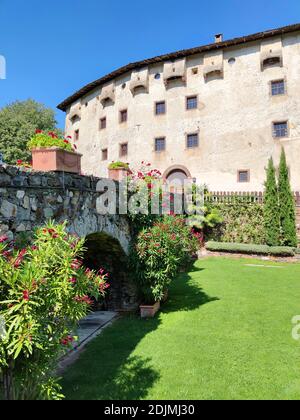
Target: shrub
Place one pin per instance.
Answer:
(287, 210)
(118, 165)
(159, 253)
(250, 249)
(42, 140)
(44, 292)
(271, 208)
(242, 223)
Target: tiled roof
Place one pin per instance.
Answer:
(173, 56)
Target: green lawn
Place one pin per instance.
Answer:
(224, 334)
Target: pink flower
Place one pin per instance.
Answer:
(3, 239)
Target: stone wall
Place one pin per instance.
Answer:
(28, 199)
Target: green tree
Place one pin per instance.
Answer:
(18, 122)
(271, 208)
(287, 210)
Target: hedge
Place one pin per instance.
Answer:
(250, 249)
(242, 223)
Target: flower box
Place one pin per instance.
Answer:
(118, 174)
(149, 311)
(56, 160)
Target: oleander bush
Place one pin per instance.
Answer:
(44, 292)
(159, 253)
(250, 249)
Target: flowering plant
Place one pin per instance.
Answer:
(160, 252)
(119, 165)
(21, 164)
(47, 140)
(146, 184)
(44, 292)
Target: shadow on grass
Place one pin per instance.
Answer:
(109, 369)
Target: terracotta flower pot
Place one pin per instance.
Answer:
(57, 160)
(149, 311)
(118, 174)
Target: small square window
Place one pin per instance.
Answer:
(103, 123)
(280, 129)
(104, 154)
(243, 176)
(160, 108)
(192, 141)
(160, 144)
(123, 116)
(278, 87)
(192, 102)
(123, 149)
(76, 135)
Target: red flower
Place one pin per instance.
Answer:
(66, 141)
(38, 131)
(75, 147)
(26, 295)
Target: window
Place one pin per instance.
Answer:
(192, 141)
(103, 123)
(104, 154)
(231, 61)
(123, 116)
(123, 149)
(271, 61)
(160, 144)
(75, 119)
(157, 76)
(76, 135)
(191, 102)
(278, 87)
(195, 71)
(244, 176)
(160, 108)
(280, 129)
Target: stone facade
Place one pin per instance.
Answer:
(233, 119)
(29, 199)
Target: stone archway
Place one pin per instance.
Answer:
(176, 176)
(104, 251)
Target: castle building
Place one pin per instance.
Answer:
(214, 113)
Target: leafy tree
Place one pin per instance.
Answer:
(287, 211)
(271, 208)
(18, 122)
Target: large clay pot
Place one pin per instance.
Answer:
(57, 160)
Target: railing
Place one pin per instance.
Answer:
(241, 197)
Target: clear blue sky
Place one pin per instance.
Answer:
(54, 47)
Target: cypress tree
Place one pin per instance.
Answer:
(287, 206)
(271, 208)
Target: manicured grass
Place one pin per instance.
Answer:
(226, 333)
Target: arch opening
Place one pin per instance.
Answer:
(104, 251)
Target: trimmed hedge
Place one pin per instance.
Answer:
(242, 223)
(250, 249)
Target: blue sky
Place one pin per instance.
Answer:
(54, 47)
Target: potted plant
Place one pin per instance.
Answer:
(53, 153)
(118, 171)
